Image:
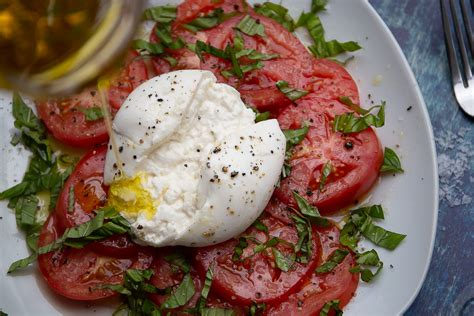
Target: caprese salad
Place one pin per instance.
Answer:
(214, 191)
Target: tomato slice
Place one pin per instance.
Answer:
(188, 10)
(355, 158)
(255, 278)
(85, 189)
(79, 273)
(65, 119)
(321, 288)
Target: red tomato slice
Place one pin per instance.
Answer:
(87, 184)
(355, 158)
(79, 273)
(118, 246)
(67, 123)
(321, 288)
(256, 278)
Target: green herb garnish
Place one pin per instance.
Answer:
(334, 259)
(251, 27)
(309, 211)
(350, 123)
(277, 13)
(92, 114)
(291, 93)
(161, 14)
(331, 305)
(391, 162)
(325, 172)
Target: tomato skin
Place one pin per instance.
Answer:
(188, 10)
(256, 278)
(65, 121)
(319, 289)
(90, 192)
(78, 273)
(355, 158)
(117, 246)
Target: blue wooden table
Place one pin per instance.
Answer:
(449, 286)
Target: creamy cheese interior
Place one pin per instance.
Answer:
(194, 168)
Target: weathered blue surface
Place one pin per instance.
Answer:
(449, 286)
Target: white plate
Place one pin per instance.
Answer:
(410, 199)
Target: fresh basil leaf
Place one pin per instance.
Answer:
(116, 288)
(32, 237)
(163, 32)
(139, 276)
(321, 48)
(239, 249)
(182, 294)
(179, 260)
(325, 172)
(22, 263)
(3, 313)
(391, 162)
(251, 27)
(262, 116)
(260, 226)
(334, 259)
(331, 305)
(285, 170)
(15, 191)
(291, 93)
(201, 47)
(209, 21)
(295, 136)
(217, 312)
(256, 308)
(304, 246)
(25, 210)
(354, 107)
(374, 211)
(243, 68)
(284, 263)
(364, 262)
(318, 5)
(276, 12)
(349, 123)
(24, 116)
(145, 46)
(382, 237)
(172, 61)
(349, 236)
(370, 258)
(161, 14)
(205, 289)
(311, 212)
(236, 69)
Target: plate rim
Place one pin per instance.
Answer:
(427, 122)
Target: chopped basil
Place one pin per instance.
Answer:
(325, 172)
(236, 69)
(182, 294)
(135, 290)
(334, 259)
(293, 138)
(318, 5)
(205, 289)
(331, 305)
(256, 308)
(262, 116)
(361, 223)
(163, 32)
(177, 260)
(209, 21)
(22, 263)
(284, 263)
(71, 199)
(321, 48)
(242, 69)
(251, 27)
(291, 93)
(239, 249)
(172, 61)
(304, 246)
(201, 47)
(260, 226)
(161, 14)
(310, 212)
(364, 262)
(354, 107)
(349, 123)
(79, 236)
(277, 13)
(391, 162)
(145, 46)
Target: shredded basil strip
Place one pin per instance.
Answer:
(209, 21)
(276, 12)
(366, 260)
(256, 308)
(260, 226)
(391, 162)
(304, 246)
(145, 46)
(322, 48)
(331, 305)
(262, 116)
(92, 114)
(161, 14)
(182, 294)
(318, 5)
(334, 259)
(310, 212)
(250, 26)
(283, 262)
(163, 32)
(350, 123)
(325, 172)
(178, 260)
(291, 93)
(293, 138)
(239, 249)
(201, 47)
